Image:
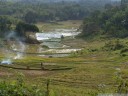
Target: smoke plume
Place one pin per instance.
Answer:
(16, 46)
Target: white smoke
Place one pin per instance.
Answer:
(20, 50)
(18, 56)
(8, 56)
(18, 46)
(6, 61)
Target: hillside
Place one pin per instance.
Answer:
(63, 48)
(110, 23)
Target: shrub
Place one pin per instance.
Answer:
(18, 88)
(113, 45)
(124, 50)
(121, 83)
(22, 28)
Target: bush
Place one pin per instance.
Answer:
(22, 28)
(113, 45)
(121, 83)
(18, 88)
(124, 50)
(92, 50)
(90, 28)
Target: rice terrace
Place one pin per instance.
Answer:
(63, 48)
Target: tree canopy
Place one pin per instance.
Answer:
(112, 22)
(32, 11)
(22, 28)
(5, 25)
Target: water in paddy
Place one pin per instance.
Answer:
(51, 42)
(54, 45)
(51, 46)
(56, 34)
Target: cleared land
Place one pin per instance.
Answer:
(84, 73)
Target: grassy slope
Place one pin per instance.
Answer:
(92, 72)
(58, 25)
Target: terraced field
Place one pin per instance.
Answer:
(87, 72)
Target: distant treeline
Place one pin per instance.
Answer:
(20, 28)
(32, 11)
(20, 15)
(113, 22)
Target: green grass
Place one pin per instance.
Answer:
(93, 69)
(59, 25)
(88, 73)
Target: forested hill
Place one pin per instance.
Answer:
(12, 12)
(78, 1)
(61, 0)
(112, 22)
(32, 11)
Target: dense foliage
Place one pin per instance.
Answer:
(5, 25)
(22, 28)
(33, 11)
(19, 88)
(113, 22)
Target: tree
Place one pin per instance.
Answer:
(30, 17)
(90, 29)
(5, 25)
(112, 22)
(124, 2)
(22, 28)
